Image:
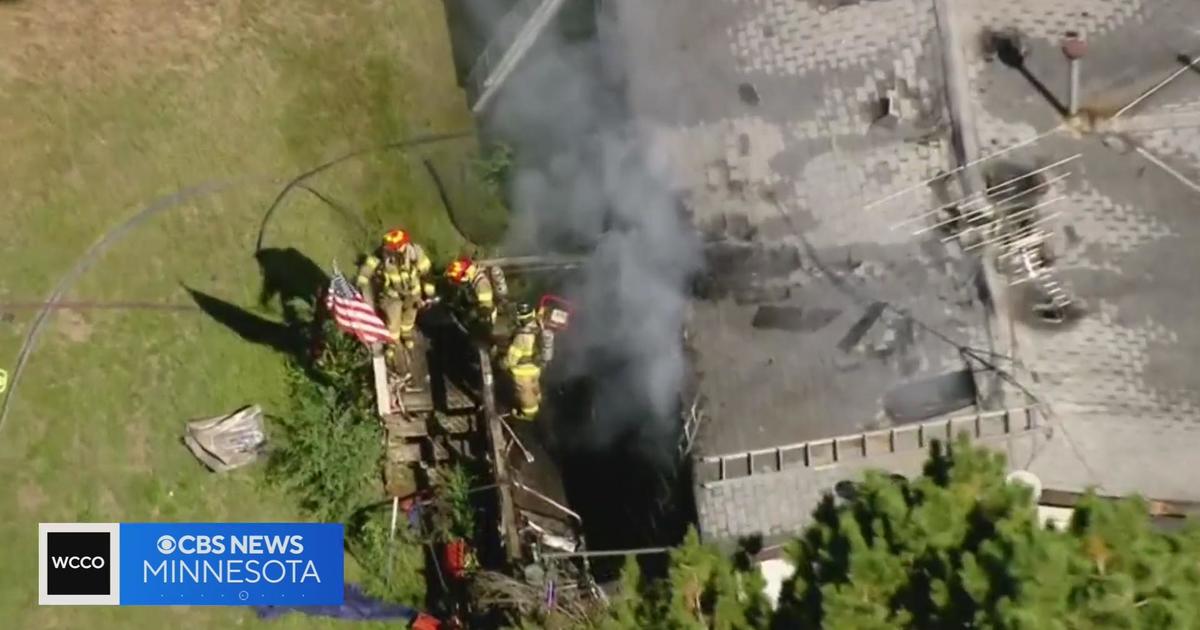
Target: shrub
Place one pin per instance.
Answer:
(394, 568)
(455, 515)
(328, 446)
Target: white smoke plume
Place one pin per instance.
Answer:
(584, 180)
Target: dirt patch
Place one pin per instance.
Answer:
(80, 42)
(30, 498)
(74, 326)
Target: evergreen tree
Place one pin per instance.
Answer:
(703, 589)
(959, 547)
(1126, 575)
(626, 606)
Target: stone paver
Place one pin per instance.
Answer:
(793, 37)
(1037, 18)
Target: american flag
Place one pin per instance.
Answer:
(352, 314)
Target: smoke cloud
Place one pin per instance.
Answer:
(585, 181)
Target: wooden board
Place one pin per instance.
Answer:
(403, 427)
(401, 452)
(383, 393)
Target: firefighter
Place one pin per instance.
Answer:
(523, 360)
(394, 279)
(527, 387)
(474, 291)
(524, 342)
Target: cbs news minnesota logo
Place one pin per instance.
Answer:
(214, 564)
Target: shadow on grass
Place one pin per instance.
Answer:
(253, 328)
(292, 278)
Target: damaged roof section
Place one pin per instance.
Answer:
(793, 347)
(819, 315)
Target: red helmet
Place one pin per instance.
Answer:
(395, 239)
(460, 270)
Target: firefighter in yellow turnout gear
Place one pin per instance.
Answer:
(524, 361)
(474, 291)
(395, 280)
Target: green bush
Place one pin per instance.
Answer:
(328, 452)
(328, 446)
(495, 167)
(454, 513)
(394, 569)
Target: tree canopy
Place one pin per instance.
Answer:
(956, 547)
(960, 547)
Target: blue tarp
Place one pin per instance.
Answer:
(357, 606)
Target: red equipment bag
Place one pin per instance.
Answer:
(456, 557)
(556, 312)
(425, 622)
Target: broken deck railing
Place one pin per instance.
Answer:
(551, 502)
(859, 446)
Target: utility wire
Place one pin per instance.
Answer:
(1191, 65)
(941, 176)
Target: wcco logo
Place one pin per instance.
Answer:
(77, 562)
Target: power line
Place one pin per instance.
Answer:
(968, 200)
(973, 214)
(941, 176)
(1191, 65)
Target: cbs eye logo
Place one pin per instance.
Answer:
(165, 544)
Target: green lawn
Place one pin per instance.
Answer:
(102, 111)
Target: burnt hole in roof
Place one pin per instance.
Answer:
(748, 94)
